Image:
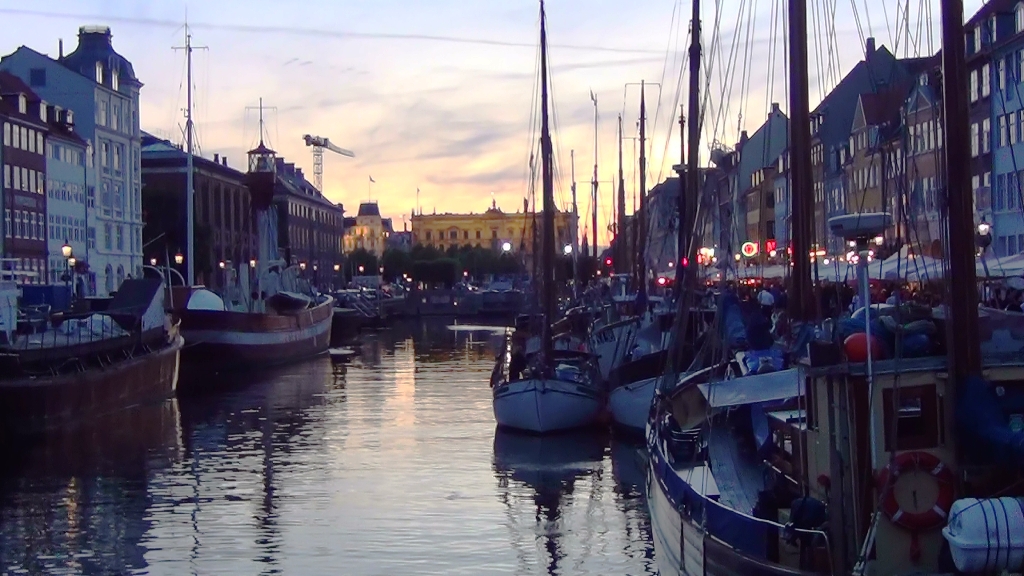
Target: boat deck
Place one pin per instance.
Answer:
(58, 339)
(739, 476)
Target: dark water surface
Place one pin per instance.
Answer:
(389, 466)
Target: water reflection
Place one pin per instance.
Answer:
(74, 502)
(386, 464)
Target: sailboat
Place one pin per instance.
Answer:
(794, 460)
(547, 390)
(266, 316)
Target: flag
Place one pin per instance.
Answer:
(593, 98)
(372, 180)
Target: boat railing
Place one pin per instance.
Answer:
(810, 533)
(40, 330)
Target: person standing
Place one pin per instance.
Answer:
(767, 302)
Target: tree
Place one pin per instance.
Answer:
(362, 257)
(396, 263)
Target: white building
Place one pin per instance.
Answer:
(100, 87)
(66, 207)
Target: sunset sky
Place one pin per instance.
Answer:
(436, 94)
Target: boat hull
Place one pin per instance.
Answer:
(546, 405)
(237, 341)
(630, 404)
(35, 405)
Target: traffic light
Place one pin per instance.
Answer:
(685, 262)
(607, 261)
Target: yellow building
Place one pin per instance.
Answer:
(367, 230)
(492, 229)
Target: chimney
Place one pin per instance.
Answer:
(224, 160)
(775, 107)
(742, 142)
(60, 49)
(869, 48)
(216, 158)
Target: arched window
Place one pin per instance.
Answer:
(108, 279)
(120, 275)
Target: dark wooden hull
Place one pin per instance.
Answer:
(221, 342)
(34, 405)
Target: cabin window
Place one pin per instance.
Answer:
(916, 422)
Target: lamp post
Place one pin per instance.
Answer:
(983, 239)
(179, 259)
(66, 251)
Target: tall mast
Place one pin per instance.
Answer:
(681, 232)
(190, 269)
(965, 352)
(802, 301)
(575, 228)
(621, 241)
(547, 179)
(593, 195)
(688, 213)
(641, 242)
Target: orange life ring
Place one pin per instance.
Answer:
(932, 518)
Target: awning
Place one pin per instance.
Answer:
(754, 388)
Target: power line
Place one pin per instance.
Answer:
(307, 32)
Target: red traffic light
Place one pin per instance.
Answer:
(607, 261)
(685, 262)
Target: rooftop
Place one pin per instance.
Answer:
(95, 45)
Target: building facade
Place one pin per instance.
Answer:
(224, 225)
(491, 229)
(310, 227)
(23, 116)
(66, 205)
(100, 87)
(1004, 206)
(367, 231)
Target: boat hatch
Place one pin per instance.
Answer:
(754, 389)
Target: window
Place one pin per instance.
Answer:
(973, 87)
(453, 234)
(916, 415)
(1018, 13)
(108, 233)
(1001, 74)
(99, 73)
(17, 178)
(7, 175)
(986, 80)
(22, 104)
(37, 77)
(999, 192)
(114, 80)
(39, 142)
(7, 133)
(986, 135)
(24, 138)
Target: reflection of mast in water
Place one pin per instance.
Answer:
(266, 517)
(549, 466)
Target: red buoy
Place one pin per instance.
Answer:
(856, 347)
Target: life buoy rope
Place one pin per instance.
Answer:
(932, 518)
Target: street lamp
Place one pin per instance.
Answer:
(567, 249)
(337, 267)
(179, 259)
(983, 237)
(361, 269)
(71, 263)
(222, 265)
(302, 266)
(252, 263)
(506, 247)
(152, 261)
(66, 250)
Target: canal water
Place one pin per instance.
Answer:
(390, 465)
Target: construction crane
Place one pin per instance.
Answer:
(319, 143)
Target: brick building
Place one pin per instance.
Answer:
(23, 156)
(224, 226)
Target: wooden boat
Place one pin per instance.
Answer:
(87, 365)
(546, 390)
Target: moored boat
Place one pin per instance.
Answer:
(86, 365)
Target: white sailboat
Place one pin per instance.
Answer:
(548, 390)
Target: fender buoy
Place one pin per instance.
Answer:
(934, 517)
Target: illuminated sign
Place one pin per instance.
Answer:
(749, 249)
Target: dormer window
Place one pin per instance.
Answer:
(113, 80)
(42, 111)
(99, 72)
(22, 104)
(977, 39)
(1018, 16)
(70, 117)
(992, 29)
